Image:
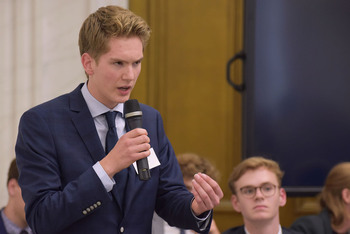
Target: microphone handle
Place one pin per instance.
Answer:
(142, 164)
(143, 169)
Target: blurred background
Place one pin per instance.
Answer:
(183, 76)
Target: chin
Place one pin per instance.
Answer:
(262, 217)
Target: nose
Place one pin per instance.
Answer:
(258, 193)
(128, 73)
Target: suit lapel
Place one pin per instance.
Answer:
(130, 189)
(87, 131)
(85, 125)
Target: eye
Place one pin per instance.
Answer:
(137, 62)
(118, 63)
(248, 190)
(267, 187)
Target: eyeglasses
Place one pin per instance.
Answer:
(267, 190)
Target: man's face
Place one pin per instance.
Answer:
(112, 79)
(259, 207)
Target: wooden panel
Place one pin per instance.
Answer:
(183, 76)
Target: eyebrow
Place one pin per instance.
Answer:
(124, 61)
(267, 182)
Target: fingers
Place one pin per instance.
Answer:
(138, 132)
(207, 193)
(137, 141)
(213, 184)
(130, 147)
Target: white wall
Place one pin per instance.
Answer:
(39, 60)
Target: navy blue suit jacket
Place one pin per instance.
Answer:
(240, 230)
(2, 226)
(58, 144)
(314, 224)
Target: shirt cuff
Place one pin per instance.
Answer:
(203, 220)
(107, 182)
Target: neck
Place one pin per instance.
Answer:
(263, 227)
(15, 218)
(342, 229)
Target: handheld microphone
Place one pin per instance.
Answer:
(133, 117)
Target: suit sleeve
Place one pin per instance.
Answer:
(173, 199)
(308, 224)
(52, 204)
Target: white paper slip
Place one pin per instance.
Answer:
(152, 161)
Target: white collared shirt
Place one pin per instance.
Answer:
(97, 109)
(279, 230)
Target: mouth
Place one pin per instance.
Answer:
(124, 88)
(259, 207)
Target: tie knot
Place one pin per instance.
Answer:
(110, 117)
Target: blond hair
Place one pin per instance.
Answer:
(110, 22)
(254, 163)
(331, 195)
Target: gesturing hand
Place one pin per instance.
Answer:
(207, 193)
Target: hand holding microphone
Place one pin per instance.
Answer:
(133, 117)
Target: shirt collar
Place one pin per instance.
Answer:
(96, 108)
(10, 226)
(279, 230)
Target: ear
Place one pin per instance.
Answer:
(88, 63)
(12, 187)
(345, 193)
(235, 203)
(283, 197)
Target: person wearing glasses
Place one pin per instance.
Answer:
(255, 184)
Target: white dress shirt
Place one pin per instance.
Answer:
(97, 110)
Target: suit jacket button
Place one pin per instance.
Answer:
(91, 208)
(85, 212)
(88, 209)
(122, 229)
(98, 203)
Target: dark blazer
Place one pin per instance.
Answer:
(314, 224)
(240, 230)
(58, 144)
(2, 226)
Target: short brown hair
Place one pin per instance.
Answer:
(331, 195)
(192, 164)
(13, 171)
(108, 22)
(254, 163)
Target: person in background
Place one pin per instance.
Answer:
(335, 204)
(13, 220)
(76, 157)
(257, 194)
(190, 165)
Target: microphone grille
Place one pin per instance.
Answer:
(131, 105)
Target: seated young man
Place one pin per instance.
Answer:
(12, 216)
(257, 194)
